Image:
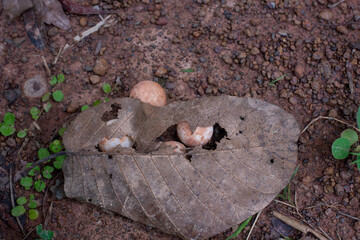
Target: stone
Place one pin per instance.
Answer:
(83, 21)
(227, 59)
(162, 21)
(299, 70)
(329, 171)
(325, 15)
(35, 87)
(342, 29)
(254, 51)
(160, 72)
(73, 106)
(317, 55)
(101, 66)
(94, 79)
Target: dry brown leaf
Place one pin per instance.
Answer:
(54, 14)
(195, 195)
(14, 8)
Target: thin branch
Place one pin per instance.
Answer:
(298, 225)
(325, 233)
(328, 118)
(252, 227)
(24, 172)
(284, 203)
(335, 4)
(347, 215)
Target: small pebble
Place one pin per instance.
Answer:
(94, 79)
(160, 72)
(101, 67)
(73, 106)
(83, 21)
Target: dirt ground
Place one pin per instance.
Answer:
(235, 48)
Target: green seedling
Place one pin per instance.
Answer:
(272, 83)
(285, 195)
(33, 214)
(53, 81)
(60, 78)
(21, 200)
(32, 203)
(46, 97)
(56, 146)
(39, 185)
(7, 126)
(43, 153)
(240, 228)
(85, 107)
(58, 96)
(47, 170)
(33, 171)
(106, 88)
(26, 182)
(47, 106)
(97, 102)
(35, 113)
(22, 133)
(346, 144)
(58, 163)
(61, 131)
(44, 234)
(188, 70)
(18, 211)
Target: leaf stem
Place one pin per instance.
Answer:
(328, 118)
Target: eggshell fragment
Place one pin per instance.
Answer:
(176, 146)
(109, 145)
(201, 135)
(149, 92)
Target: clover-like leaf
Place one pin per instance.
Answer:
(26, 182)
(33, 214)
(56, 146)
(9, 119)
(21, 200)
(106, 88)
(351, 135)
(47, 172)
(39, 185)
(43, 152)
(58, 95)
(18, 211)
(21, 133)
(341, 148)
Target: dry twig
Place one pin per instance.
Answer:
(298, 225)
(252, 227)
(13, 201)
(328, 118)
(335, 4)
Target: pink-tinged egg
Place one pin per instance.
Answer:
(149, 92)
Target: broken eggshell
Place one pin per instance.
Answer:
(109, 145)
(201, 135)
(176, 146)
(149, 92)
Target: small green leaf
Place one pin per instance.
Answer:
(241, 227)
(32, 203)
(341, 148)
(39, 185)
(351, 135)
(7, 130)
(33, 214)
(58, 95)
(61, 131)
(59, 161)
(9, 119)
(56, 146)
(46, 97)
(18, 211)
(21, 200)
(44, 234)
(83, 108)
(32, 171)
(187, 70)
(358, 118)
(60, 78)
(106, 99)
(43, 152)
(47, 172)
(106, 88)
(47, 106)
(21, 133)
(35, 113)
(357, 161)
(53, 81)
(26, 182)
(97, 102)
